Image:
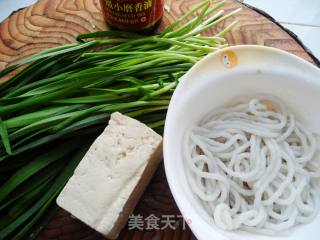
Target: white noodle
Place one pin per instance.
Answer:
(254, 167)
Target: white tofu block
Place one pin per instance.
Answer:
(113, 174)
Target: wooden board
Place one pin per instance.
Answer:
(50, 23)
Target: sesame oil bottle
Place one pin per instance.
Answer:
(133, 15)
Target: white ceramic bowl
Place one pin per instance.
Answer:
(213, 82)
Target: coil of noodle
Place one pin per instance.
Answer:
(254, 167)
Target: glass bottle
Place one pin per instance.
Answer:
(133, 15)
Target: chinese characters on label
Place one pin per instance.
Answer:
(153, 222)
(132, 15)
(129, 7)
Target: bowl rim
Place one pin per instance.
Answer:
(179, 196)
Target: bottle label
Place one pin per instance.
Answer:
(132, 14)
